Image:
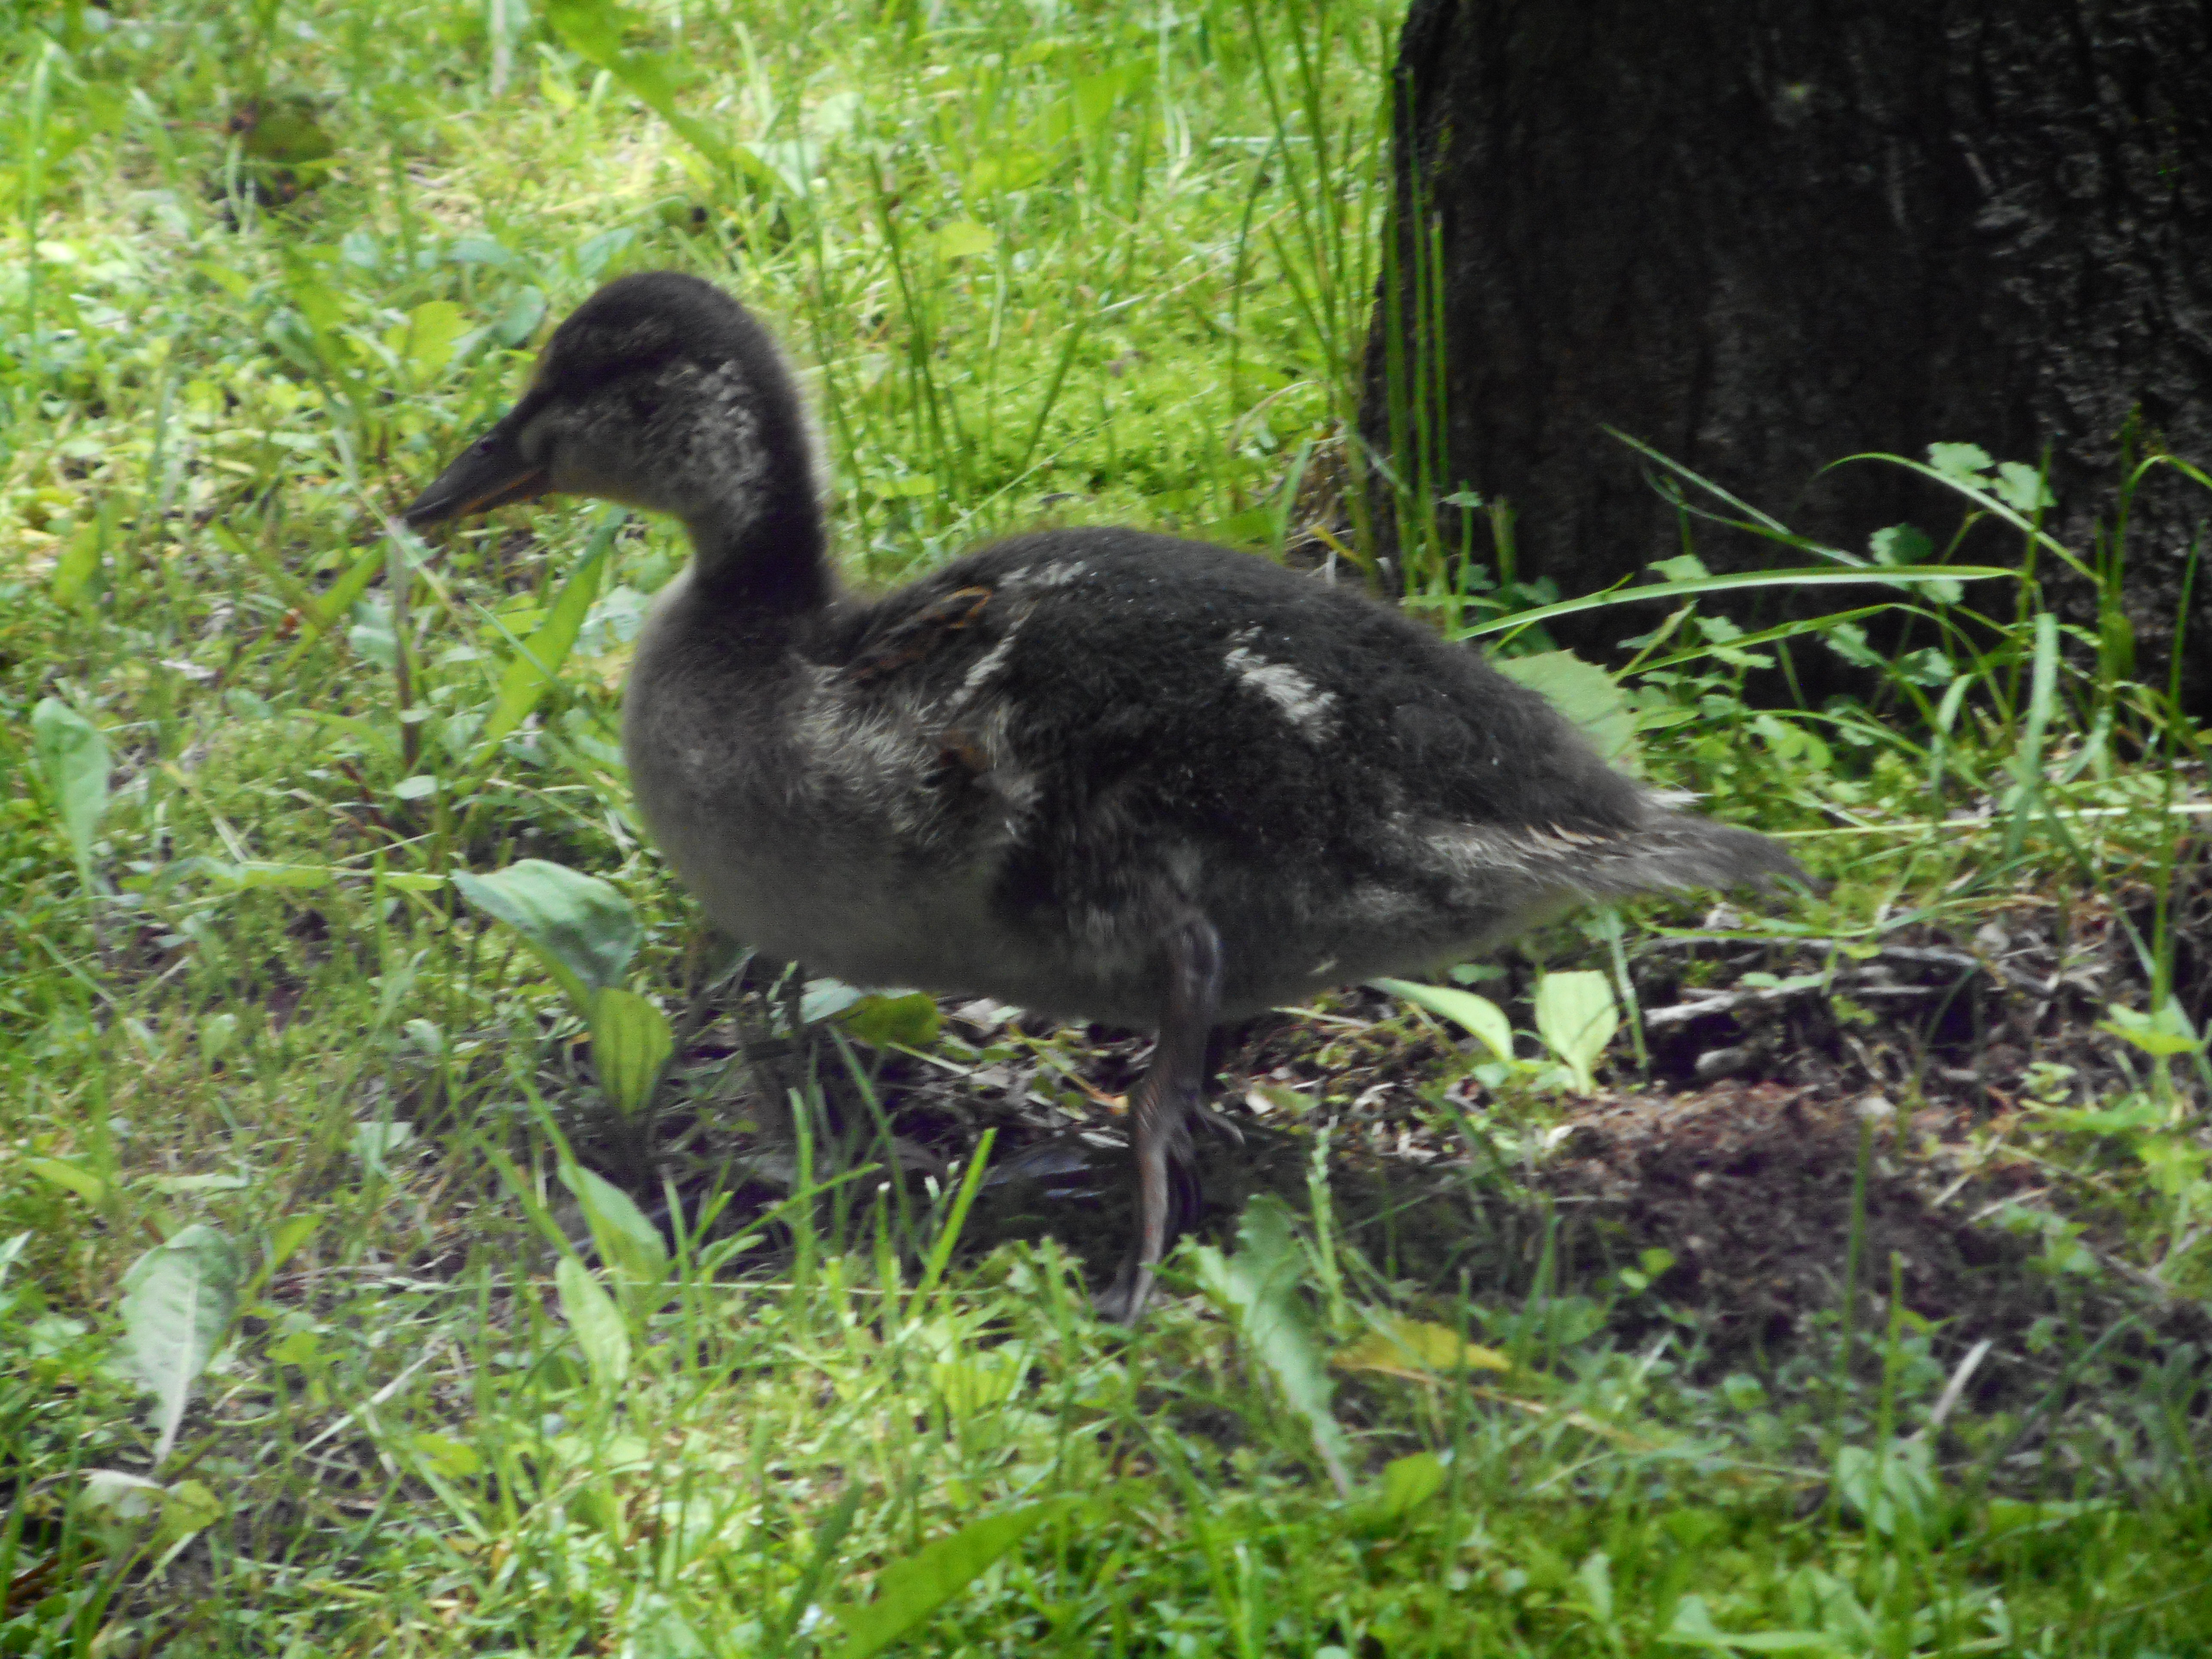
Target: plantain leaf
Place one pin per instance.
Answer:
(908, 1590)
(598, 1323)
(630, 1042)
(1478, 1015)
(581, 927)
(1258, 1288)
(1576, 1017)
(178, 1302)
(627, 1242)
(73, 756)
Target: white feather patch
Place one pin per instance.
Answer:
(1305, 704)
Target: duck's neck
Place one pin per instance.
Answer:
(762, 551)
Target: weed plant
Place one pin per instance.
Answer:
(316, 1335)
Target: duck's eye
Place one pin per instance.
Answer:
(486, 446)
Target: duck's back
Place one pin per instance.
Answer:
(1016, 776)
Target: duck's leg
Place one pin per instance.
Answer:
(1160, 1107)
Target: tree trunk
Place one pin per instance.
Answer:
(1761, 235)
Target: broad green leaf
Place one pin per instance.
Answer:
(911, 1020)
(1893, 1490)
(426, 339)
(591, 1314)
(189, 1507)
(453, 1458)
(520, 318)
(1682, 568)
(73, 756)
(1900, 543)
(1013, 166)
(483, 251)
(373, 1142)
(825, 998)
(1585, 694)
(78, 564)
(1903, 544)
(125, 1496)
(1258, 1288)
(1094, 96)
(963, 238)
(218, 1035)
(236, 283)
(1479, 1015)
(980, 1380)
(630, 1042)
(2162, 1034)
(1412, 1348)
(288, 1235)
(300, 1348)
(908, 1591)
(1404, 1485)
(1964, 462)
(537, 660)
(1595, 1577)
(1576, 1017)
(659, 1631)
(837, 114)
(788, 164)
(1693, 1627)
(627, 1242)
(178, 1302)
(581, 927)
(2021, 488)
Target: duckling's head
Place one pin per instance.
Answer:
(660, 392)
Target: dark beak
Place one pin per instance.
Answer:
(491, 473)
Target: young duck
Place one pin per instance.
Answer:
(1099, 773)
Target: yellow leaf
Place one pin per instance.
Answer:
(1411, 1348)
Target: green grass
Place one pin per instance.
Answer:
(1036, 261)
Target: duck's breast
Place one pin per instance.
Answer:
(827, 812)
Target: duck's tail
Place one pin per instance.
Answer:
(1674, 849)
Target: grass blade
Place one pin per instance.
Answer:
(1812, 576)
(537, 660)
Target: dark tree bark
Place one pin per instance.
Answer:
(1763, 235)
